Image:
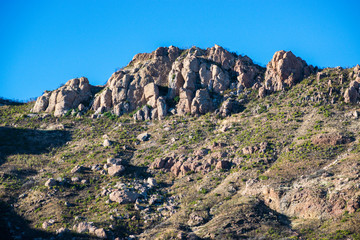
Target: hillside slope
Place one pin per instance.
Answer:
(285, 164)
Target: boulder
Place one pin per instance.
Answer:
(185, 100)
(116, 170)
(123, 196)
(151, 92)
(351, 94)
(143, 137)
(50, 182)
(161, 108)
(106, 143)
(77, 169)
(202, 102)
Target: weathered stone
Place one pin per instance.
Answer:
(184, 105)
(50, 182)
(106, 143)
(67, 97)
(285, 69)
(151, 92)
(100, 233)
(143, 137)
(77, 169)
(202, 102)
(161, 108)
(116, 170)
(123, 196)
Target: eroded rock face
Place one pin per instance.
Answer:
(156, 79)
(192, 81)
(75, 92)
(285, 70)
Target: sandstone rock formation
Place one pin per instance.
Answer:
(191, 81)
(75, 92)
(195, 76)
(285, 70)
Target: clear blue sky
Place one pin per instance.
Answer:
(46, 43)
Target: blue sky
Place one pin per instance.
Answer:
(45, 43)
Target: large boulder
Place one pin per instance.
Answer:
(123, 196)
(202, 102)
(65, 98)
(285, 70)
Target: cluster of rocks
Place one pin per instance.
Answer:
(202, 161)
(352, 94)
(174, 81)
(261, 148)
(76, 93)
(88, 227)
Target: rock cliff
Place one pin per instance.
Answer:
(174, 81)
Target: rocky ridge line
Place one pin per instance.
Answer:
(174, 81)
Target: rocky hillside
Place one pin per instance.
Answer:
(186, 144)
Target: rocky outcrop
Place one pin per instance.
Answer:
(351, 94)
(285, 70)
(193, 81)
(75, 92)
(195, 76)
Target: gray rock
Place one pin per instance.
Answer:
(50, 182)
(106, 143)
(116, 170)
(77, 169)
(123, 196)
(143, 137)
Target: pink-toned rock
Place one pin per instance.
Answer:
(116, 170)
(285, 69)
(202, 102)
(123, 196)
(61, 100)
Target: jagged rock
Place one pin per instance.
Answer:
(81, 107)
(116, 170)
(139, 115)
(228, 107)
(285, 69)
(103, 101)
(151, 92)
(151, 182)
(351, 94)
(147, 112)
(50, 182)
(143, 137)
(223, 165)
(201, 103)
(100, 233)
(77, 169)
(123, 196)
(161, 108)
(84, 227)
(61, 100)
(184, 105)
(158, 163)
(106, 143)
